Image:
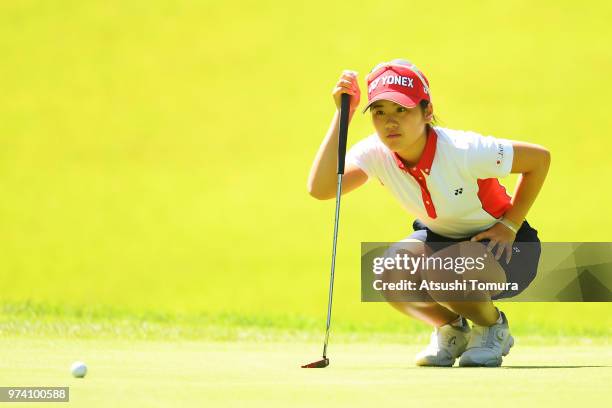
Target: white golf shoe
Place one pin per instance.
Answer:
(488, 345)
(445, 345)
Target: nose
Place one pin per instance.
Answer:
(391, 123)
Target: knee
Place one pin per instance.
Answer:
(409, 246)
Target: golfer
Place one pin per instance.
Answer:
(448, 179)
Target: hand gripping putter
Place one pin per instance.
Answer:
(342, 136)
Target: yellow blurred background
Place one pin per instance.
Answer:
(154, 154)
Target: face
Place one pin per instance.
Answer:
(399, 127)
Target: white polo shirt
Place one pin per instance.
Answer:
(453, 189)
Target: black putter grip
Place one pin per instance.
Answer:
(343, 131)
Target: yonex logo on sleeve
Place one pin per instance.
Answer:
(500, 153)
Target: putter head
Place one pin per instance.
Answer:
(318, 364)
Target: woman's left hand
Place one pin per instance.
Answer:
(501, 236)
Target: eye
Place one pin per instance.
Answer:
(402, 109)
(378, 112)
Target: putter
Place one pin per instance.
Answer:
(342, 136)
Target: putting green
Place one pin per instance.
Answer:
(162, 374)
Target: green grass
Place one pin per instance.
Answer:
(187, 373)
(566, 324)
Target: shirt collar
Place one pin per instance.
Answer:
(427, 156)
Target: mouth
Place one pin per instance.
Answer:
(393, 135)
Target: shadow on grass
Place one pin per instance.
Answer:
(574, 366)
(488, 368)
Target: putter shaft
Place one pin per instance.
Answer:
(333, 265)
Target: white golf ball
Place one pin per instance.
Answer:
(78, 369)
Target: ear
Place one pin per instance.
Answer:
(428, 113)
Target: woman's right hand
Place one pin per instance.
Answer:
(347, 84)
